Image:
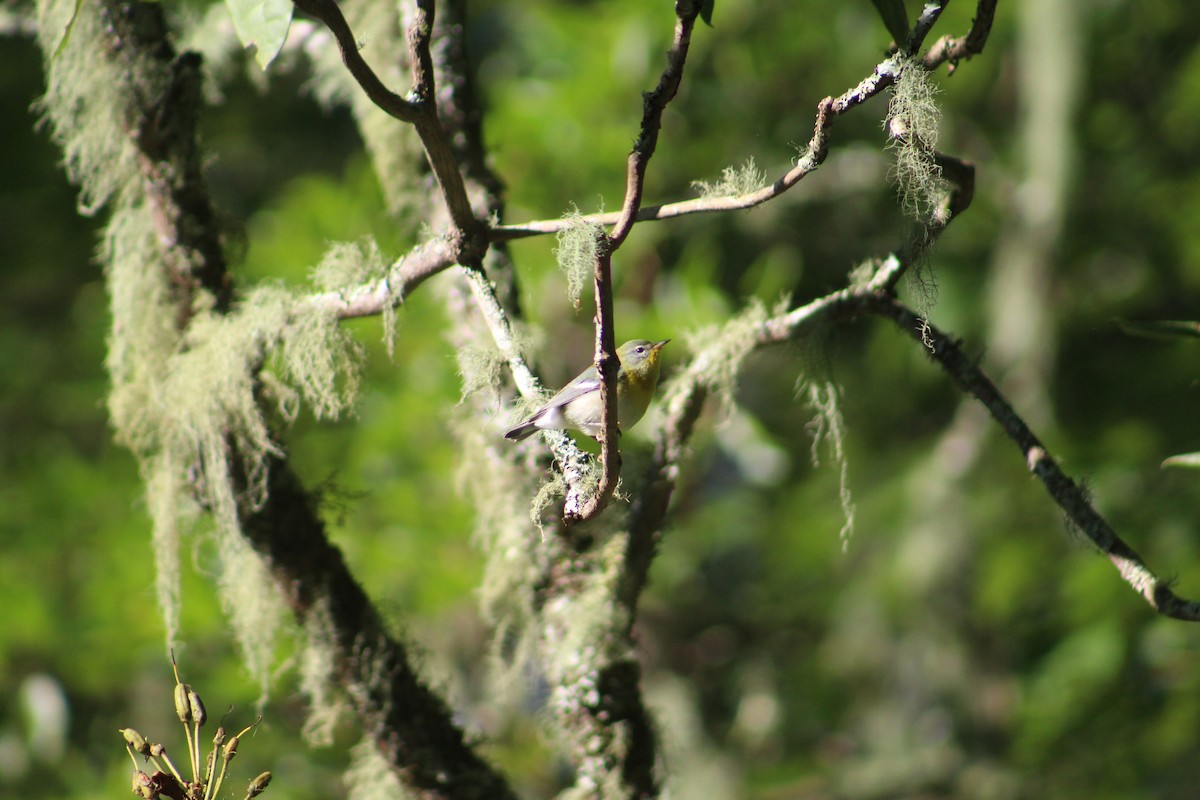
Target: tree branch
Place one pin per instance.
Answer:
(953, 49)
(1065, 492)
(403, 277)
(653, 105)
(328, 12)
(946, 49)
(467, 235)
(427, 260)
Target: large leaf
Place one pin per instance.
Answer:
(262, 23)
(894, 17)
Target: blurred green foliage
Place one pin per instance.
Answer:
(964, 643)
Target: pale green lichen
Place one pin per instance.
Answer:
(321, 360)
(173, 512)
(578, 247)
(551, 492)
(318, 672)
(498, 489)
(734, 181)
(186, 403)
(370, 776)
(722, 349)
(86, 102)
(481, 368)
(347, 265)
(912, 123)
(829, 427)
(255, 609)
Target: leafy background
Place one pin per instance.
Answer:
(962, 642)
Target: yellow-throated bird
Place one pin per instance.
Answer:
(577, 405)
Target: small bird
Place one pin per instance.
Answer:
(577, 405)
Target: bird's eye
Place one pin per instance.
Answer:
(641, 349)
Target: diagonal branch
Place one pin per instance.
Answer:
(328, 12)
(1066, 493)
(410, 724)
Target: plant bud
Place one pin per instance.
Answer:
(258, 785)
(231, 748)
(135, 741)
(143, 786)
(199, 715)
(219, 736)
(182, 707)
(157, 750)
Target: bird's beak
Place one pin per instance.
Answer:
(659, 345)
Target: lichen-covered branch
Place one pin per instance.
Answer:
(411, 726)
(402, 278)
(196, 415)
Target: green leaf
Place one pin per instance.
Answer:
(1189, 460)
(894, 17)
(262, 23)
(706, 9)
(1167, 329)
(62, 44)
